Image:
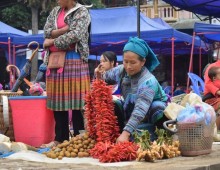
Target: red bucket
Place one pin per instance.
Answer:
(33, 123)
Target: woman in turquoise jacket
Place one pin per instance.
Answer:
(144, 99)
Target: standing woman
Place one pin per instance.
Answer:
(67, 29)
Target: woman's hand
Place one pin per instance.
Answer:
(48, 42)
(99, 71)
(123, 137)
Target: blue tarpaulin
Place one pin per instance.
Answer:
(208, 32)
(111, 28)
(202, 7)
(7, 29)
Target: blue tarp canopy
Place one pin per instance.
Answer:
(161, 22)
(208, 32)
(112, 27)
(202, 7)
(6, 29)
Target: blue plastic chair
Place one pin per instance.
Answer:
(197, 84)
(167, 90)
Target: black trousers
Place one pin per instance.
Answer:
(62, 124)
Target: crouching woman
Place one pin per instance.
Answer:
(144, 99)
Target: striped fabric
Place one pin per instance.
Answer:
(66, 90)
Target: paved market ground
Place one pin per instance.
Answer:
(205, 162)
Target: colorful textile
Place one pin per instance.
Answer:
(138, 91)
(36, 90)
(78, 19)
(141, 48)
(66, 91)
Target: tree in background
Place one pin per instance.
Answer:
(18, 13)
(24, 12)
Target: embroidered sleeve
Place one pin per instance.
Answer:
(145, 97)
(50, 23)
(113, 75)
(78, 29)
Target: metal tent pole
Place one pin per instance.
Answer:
(138, 18)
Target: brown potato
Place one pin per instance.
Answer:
(80, 145)
(53, 156)
(81, 150)
(80, 154)
(59, 146)
(62, 153)
(85, 146)
(75, 150)
(86, 154)
(60, 157)
(67, 154)
(79, 141)
(85, 142)
(77, 146)
(73, 154)
(89, 139)
(85, 136)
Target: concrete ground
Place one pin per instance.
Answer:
(204, 162)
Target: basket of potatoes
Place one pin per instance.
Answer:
(78, 146)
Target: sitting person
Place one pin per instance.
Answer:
(212, 88)
(144, 99)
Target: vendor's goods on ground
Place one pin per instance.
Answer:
(164, 147)
(78, 146)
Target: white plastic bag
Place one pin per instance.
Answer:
(172, 110)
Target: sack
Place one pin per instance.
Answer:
(172, 110)
(56, 59)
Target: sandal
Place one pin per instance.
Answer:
(50, 145)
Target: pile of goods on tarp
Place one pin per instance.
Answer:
(102, 125)
(6, 146)
(78, 146)
(195, 124)
(190, 109)
(162, 148)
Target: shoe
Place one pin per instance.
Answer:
(50, 145)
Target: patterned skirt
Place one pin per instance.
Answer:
(66, 90)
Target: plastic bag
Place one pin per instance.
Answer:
(191, 99)
(191, 114)
(172, 110)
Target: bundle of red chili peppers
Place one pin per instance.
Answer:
(102, 125)
(107, 152)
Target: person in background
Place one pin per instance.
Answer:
(108, 60)
(4, 75)
(67, 29)
(144, 99)
(212, 88)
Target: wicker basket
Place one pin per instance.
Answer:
(9, 93)
(195, 138)
(4, 129)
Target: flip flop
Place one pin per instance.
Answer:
(50, 145)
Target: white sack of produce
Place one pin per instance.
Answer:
(5, 147)
(172, 110)
(4, 138)
(191, 99)
(19, 146)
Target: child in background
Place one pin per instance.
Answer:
(214, 75)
